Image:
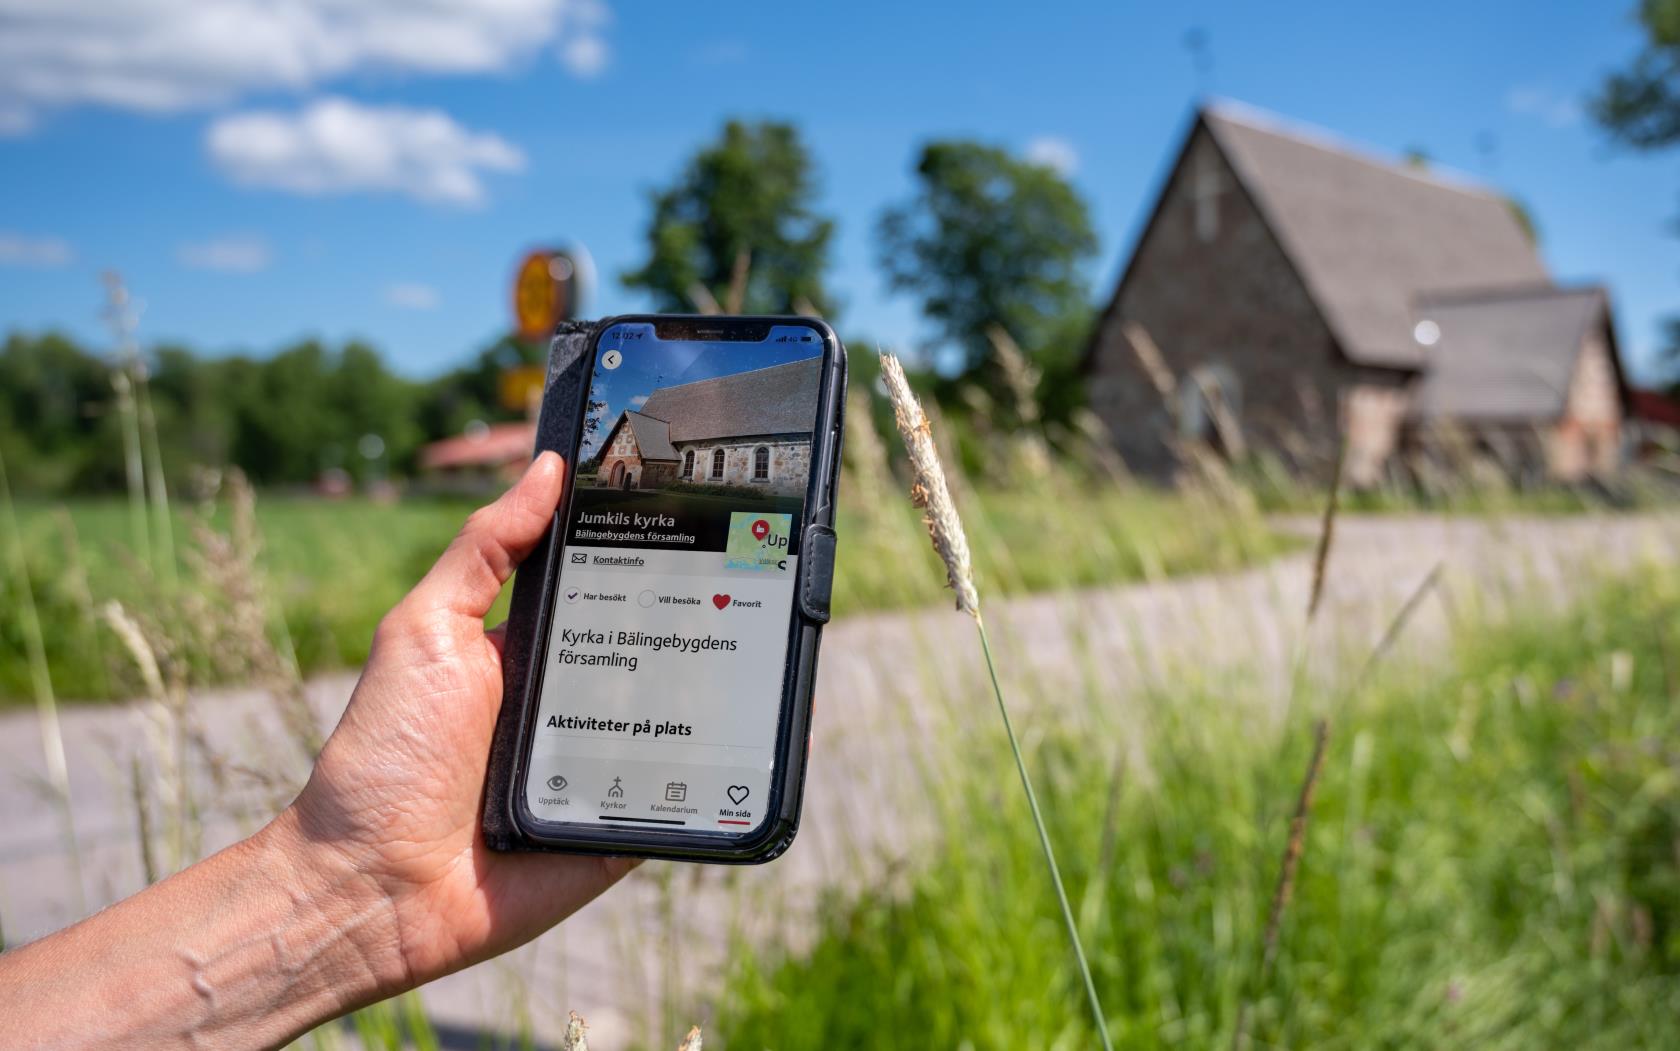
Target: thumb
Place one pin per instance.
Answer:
(471, 571)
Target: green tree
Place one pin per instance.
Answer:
(56, 405)
(1640, 105)
(990, 238)
(738, 231)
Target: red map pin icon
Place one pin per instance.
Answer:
(760, 529)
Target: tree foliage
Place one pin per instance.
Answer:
(284, 419)
(739, 228)
(989, 239)
(1640, 105)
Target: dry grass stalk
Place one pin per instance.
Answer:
(119, 313)
(1099, 445)
(1402, 617)
(167, 724)
(133, 638)
(1021, 379)
(929, 492)
(235, 612)
(576, 1037)
(143, 817)
(40, 677)
(1149, 356)
(739, 274)
(928, 489)
(864, 451)
(703, 300)
(1292, 851)
(1326, 532)
(1286, 875)
(1219, 410)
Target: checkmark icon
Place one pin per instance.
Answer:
(572, 594)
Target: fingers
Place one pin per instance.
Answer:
(470, 573)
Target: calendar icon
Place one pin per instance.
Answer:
(676, 791)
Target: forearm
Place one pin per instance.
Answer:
(248, 948)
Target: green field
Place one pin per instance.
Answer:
(1492, 860)
(328, 570)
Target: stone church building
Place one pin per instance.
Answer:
(1289, 284)
(747, 429)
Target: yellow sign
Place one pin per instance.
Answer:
(543, 293)
(521, 388)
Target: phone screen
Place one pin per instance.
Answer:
(662, 691)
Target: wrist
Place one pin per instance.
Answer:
(249, 948)
(340, 921)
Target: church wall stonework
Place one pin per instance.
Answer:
(1217, 293)
(790, 463)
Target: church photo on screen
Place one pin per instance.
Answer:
(747, 430)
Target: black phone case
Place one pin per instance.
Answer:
(564, 393)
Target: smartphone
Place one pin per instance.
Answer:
(671, 693)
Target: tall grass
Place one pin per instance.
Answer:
(1494, 861)
(334, 567)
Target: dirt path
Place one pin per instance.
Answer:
(890, 685)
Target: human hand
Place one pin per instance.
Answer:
(374, 880)
(392, 807)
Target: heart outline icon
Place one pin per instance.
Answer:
(720, 601)
(737, 793)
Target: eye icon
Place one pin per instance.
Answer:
(611, 359)
(556, 783)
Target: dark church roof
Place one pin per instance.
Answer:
(1505, 355)
(781, 399)
(653, 437)
(1369, 237)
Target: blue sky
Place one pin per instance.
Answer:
(258, 179)
(647, 364)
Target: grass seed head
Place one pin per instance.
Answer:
(928, 489)
(576, 1038)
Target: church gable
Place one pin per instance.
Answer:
(1286, 288)
(1211, 286)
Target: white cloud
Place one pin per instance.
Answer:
(233, 254)
(1560, 111)
(337, 146)
(583, 50)
(1054, 153)
(171, 55)
(638, 401)
(39, 253)
(410, 295)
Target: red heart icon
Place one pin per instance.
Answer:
(760, 529)
(720, 601)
